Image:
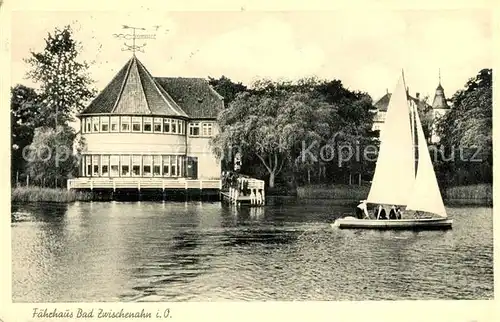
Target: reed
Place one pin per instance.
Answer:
(322, 191)
(482, 191)
(39, 194)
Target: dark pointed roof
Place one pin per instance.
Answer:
(383, 102)
(134, 91)
(195, 95)
(439, 99)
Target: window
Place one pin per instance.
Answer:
(157, 165)
(174, 126)
(146, 165)
(207, 129)
(125, 161)
(88, 122)
(125, 123)
(194, 129)
(148, 124)
(166, 165)
(115, 120)
(173, 164)
(166, 125)
(157, 125)
(104, 165)
(95, 165)
(104, 123)
(136, 124)
(88, 162)
(114, 160)
(136, 165)
(95, 124)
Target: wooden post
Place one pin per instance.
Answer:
(359, 178)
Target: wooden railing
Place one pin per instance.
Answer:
(249, 189)
(142, 183)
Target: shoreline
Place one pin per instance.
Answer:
(480, 195)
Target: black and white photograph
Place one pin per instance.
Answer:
(167, 156)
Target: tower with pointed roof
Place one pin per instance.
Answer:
(439, 108)
(142, 128)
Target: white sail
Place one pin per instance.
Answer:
(425, 195)
(395, 169)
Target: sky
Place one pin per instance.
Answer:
(366, 48)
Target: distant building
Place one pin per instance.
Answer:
(439, 108)
(142, 127)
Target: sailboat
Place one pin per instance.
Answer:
(404, 176)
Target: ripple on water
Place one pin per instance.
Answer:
(206, 252)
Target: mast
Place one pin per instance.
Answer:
(412, 109)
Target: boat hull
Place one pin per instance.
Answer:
(394, 224)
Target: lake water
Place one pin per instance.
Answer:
(194, 251)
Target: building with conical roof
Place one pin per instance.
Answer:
(439, 108)
(145, 130)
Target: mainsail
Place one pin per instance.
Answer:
(425, 195)
(394, 175)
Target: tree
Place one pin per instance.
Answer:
(248, 125)
(227, 88)
(24, 118)
(466, 133)
(64, 82)
(296, 126)
(50, 159)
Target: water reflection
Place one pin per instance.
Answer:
(192, 251)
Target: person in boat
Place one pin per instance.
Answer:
(362, 210)
(392, 213)
(399, 212)
(381, 213)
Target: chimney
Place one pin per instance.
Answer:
(418, 96)
(387, 91)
